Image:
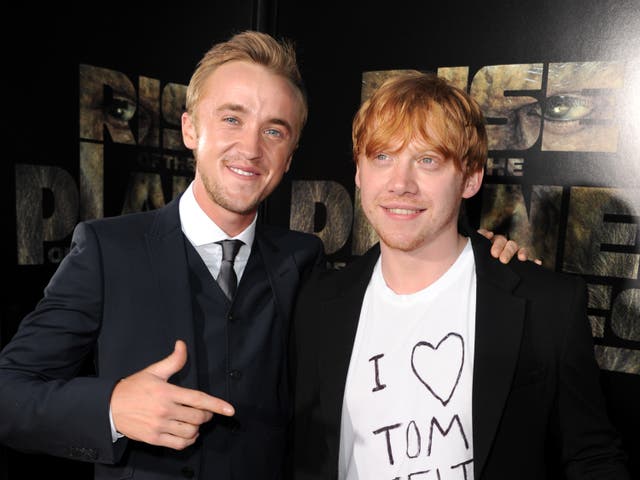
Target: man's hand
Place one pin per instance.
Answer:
(505, 249)
(145, 407)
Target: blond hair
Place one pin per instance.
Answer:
(279, 56)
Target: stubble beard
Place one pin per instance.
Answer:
(219, 196)
(395, 239)
(401, 242)
(414, 240)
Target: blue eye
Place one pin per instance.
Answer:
(231, 120)
(381, 156)
(428, 161)
(273, 132)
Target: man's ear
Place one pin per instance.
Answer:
(472, 184)
(288, 165)
(357, 178)
(189, 132)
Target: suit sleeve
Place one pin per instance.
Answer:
(590, 446)
(45, 406)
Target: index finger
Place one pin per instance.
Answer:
(202, 401)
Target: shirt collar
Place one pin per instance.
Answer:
(200, 229)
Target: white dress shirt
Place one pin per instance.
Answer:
(203, 234)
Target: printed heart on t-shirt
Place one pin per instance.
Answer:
(439, 368)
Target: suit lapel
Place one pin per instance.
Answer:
(168, 259)
(499, 323)
(281, 269)
(340, 316)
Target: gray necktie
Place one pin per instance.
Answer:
(227, 277)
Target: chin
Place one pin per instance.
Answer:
(404, 244)
(246, 209)
(240, 208)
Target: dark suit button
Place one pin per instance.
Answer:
(230, 317)
(235, 374)
(187, 472)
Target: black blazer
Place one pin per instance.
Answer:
(121, 295)
(538, 409)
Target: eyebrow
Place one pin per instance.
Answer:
(236, 107)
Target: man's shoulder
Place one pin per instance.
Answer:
(516, 270)
(123, 219)
(121, 222)
(156, 222)
(293, 238)
(353, 275)
(543, 277)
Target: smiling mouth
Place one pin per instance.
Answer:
(244, 173)
(403, 211)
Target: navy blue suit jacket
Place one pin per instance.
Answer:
(121, 296)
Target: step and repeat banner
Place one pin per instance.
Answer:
(94, 130)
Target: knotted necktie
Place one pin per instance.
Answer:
(227, 277)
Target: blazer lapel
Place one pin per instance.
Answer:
(281, 270)
(168, 259)
(340, 316)
(499, 324)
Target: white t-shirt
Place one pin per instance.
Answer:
(407, 404)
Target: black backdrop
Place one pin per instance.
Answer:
(337, 42)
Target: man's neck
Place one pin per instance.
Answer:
(408, 272)
(231, 223)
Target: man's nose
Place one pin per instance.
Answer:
(250, 143)
(402, 179)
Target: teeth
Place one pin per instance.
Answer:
(241, 172)
(402, 211)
